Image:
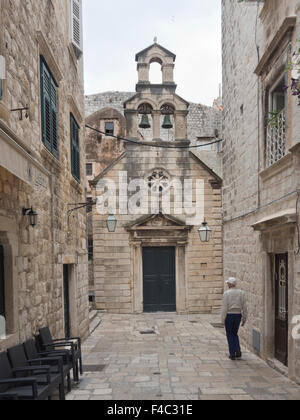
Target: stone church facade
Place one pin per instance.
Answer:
(261, 170)
(155, 261)
(43, 269)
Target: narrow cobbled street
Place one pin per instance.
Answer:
(172, 357)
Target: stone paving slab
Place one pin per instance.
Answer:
(186, 359)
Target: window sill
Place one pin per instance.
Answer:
(76, 184)
(73, 56)
(50, 157)
(278, 167)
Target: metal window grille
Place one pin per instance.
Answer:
(276, 138)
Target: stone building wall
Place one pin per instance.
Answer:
(31, 176)
(117, 259)
(256, 196)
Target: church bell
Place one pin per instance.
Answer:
(145, 122)
(167, 124)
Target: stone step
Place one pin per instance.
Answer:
(94, 323)
(92, 314)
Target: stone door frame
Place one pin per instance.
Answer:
(163, 232)
(279, 240)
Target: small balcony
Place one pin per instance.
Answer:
(276, 139)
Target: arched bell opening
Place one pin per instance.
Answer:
(167, 122)
(145, 121)
(155, 71)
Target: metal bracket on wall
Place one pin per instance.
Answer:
(21, 110)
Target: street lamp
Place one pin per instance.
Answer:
(111, 223)
(32, 215)
(204, 232)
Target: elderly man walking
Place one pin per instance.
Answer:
(234, 312)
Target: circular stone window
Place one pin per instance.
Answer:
(159, 181)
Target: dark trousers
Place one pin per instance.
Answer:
(232, 325)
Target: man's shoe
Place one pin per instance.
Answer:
(232, 357)
(238, 355)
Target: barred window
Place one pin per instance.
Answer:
(276, 123)
(89, 208)
(89, 169)
(90, 248)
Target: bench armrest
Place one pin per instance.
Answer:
(58, 360)
(22, 382)
(66, 343)
(34, 369)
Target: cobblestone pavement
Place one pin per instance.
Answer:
(185, 359)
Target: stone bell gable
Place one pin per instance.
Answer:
(156, 100)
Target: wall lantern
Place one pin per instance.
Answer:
(111, 223)
(32, 215)
(204, 232)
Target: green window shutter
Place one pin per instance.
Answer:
(54, 126)
(49, 110)
(75, 149)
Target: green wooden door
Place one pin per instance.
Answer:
(159, 279)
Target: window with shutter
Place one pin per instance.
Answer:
(76, 26)
(75, 148)
(49, 110)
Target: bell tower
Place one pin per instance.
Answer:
(158, 102)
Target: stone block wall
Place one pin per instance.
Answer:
(30, 29)
(252, 191)
(115, 261)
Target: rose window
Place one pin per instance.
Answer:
(159, 181)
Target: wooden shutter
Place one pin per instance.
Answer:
(76, 25)
(75, 149)
(49, 110)
(46, 106)
(54, 126)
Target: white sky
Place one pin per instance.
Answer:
(114, 31)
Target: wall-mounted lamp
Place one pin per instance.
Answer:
(204, 232)
(32, 215)
(111, 223)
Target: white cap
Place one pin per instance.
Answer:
(231, 280)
